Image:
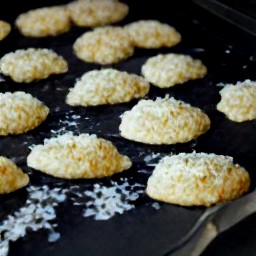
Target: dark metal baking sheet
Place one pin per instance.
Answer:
(143, 230)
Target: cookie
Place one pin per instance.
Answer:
(106, 45)
(238, 102)
(5, 29)
(197, 179)
(152, 34)
(106, 86)
(25, 66)
(78, 157)
(163, 121)
(42, 22)
(94, 13)
(12, 178)
(20, 112)
(167, 70)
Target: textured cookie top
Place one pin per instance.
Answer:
(11, 177)
(163, 121)
(166, 70)
(5, 29)
(20, 112)
(46, 21)
(104, 45)
(238, 102)
(197, 179)
(152, 34)
(106, 86)
(97, 12)
(25, 66)
(77, 157)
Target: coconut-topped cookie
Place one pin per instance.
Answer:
(106, 86)
(238, 102)
(197, 179)
(152, 34)
(12, 178)
(5, 29)
(20, 112)
(25, 66)
(42, 22)
(106, 45)
(78, 157)
(96, 12)
(167, 70)
(163, 121)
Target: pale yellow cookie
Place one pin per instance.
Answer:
(12, 178)
(78, 157)
(25, 66)
(238, 102)
(163, 121)
(197, 179)
(167, 70)
(5, 29)
(106, 45)
(152, 34)
(106, 86)
(42, 22)
(97, 12)
(20, 112)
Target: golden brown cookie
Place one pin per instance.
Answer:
(5, 29)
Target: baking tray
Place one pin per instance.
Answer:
(148, 228)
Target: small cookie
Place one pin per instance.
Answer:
(20, 112)
(42, 22)
(106, 86)
(197, 179)
(167, 70)
(238, 102)
(94, 13)
(106, 45)
(25, 66)
(78, 157)
(163, 121)
(5, 29)
(12, 178)
(152, 34)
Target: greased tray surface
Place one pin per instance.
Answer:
(144, 229)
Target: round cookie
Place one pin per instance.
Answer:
(97, 12)
(238, 102)
(25, 66)
(20, 112)
(12, 178)
(106, 45)
(167, 70)
(163, 121)
(152, 34)
(42, 22)
(197, 179)
(78, 157)
(106, 86)
(5, 29)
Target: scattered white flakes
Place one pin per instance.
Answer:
(53, 237)
(221, 84)
(251, 58)
(76, 117)
(227, 51)
(149, 158)
(1, 80)
(244, 66)
(156, 205)
(143, 171)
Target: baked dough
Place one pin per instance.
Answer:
(42, 22)
(97, 12)
(106, 86)
(106, 45)
(20, 112)
(152, 34)
(197, 179)
(25, 66)
(238, 102)
(167, 70)
(163, 121)
(12, 178)
(5, 29)
(78, 157)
